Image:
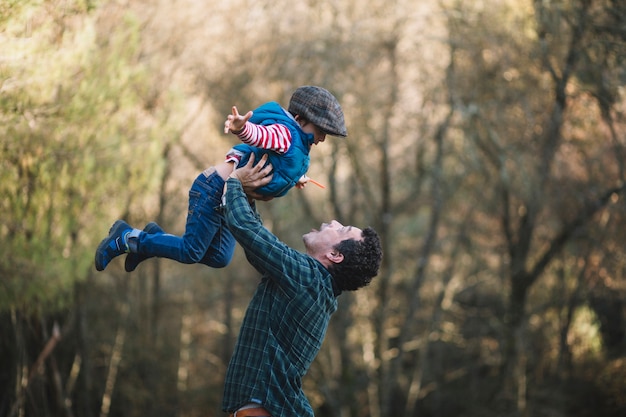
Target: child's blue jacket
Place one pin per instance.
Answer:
(287, 167)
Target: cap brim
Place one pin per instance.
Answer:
(329, 133)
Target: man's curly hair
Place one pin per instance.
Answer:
(361, 261)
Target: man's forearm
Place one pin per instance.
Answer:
(241, 215)
(245, 224)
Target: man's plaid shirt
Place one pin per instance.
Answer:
(286, 320)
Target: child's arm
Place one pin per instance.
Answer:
(275, 137)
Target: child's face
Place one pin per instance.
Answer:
(318, 134)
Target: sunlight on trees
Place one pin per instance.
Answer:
(486, 145)
(71, 114)
(584, 335)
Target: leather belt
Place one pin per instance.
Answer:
(251, 412)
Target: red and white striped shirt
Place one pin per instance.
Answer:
(274, 137)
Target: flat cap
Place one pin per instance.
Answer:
(320, 107)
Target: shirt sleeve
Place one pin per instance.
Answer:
(275, 137)
(265, 252)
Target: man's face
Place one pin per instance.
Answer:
(329, 235)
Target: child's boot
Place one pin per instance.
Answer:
(133, 259)
(115, 244)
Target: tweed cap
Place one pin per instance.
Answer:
(320, 107)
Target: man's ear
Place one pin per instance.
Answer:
(335, 256)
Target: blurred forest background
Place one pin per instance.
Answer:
(487, 146)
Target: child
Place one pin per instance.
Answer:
(285, 136)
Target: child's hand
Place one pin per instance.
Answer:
(304, 180)
(236, 122)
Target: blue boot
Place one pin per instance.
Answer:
(134, 259)
(113, 245)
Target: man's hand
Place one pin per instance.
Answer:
(254, 176)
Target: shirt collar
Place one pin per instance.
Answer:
(336, 290)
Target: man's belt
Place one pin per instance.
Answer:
(251, 412)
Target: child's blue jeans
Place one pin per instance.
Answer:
(207, 240)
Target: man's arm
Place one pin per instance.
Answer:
(264, 250)
(246, 180)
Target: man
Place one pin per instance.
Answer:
(286, 320)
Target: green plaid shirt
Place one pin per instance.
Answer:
(286, 320)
